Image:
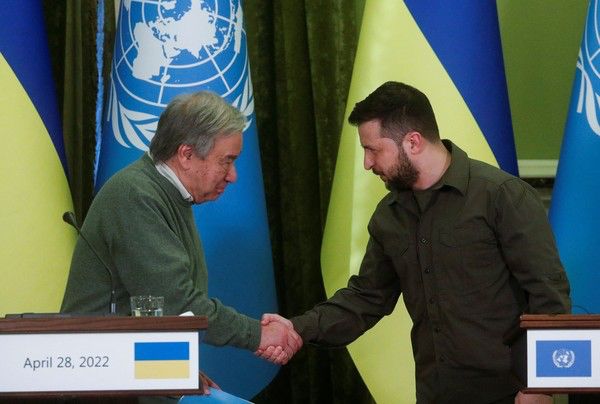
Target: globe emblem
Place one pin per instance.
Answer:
(588, 64)
(591, 43)
(168, 47)
(563, 358)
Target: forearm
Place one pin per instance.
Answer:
(343, 318)
(226, 326)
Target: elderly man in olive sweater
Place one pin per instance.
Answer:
(141, 225)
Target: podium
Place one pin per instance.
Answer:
(100, 356)
(557, 353)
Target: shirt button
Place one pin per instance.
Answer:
(437, 329)
(427, 270)
(423, 240)
(431, 300)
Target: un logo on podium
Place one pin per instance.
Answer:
(563, 358)
(168, 47)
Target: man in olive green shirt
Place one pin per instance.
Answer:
(467, 245)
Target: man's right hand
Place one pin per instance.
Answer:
(278, 341)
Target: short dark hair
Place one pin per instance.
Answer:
(196, 119)
(400, 109)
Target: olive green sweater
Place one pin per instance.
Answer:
(145, 231)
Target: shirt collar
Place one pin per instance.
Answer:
(456, 176)
(170, 175)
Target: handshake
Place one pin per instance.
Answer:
(278, 340)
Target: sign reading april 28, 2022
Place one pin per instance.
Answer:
(99, 361)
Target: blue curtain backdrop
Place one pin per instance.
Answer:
(575, 207)
(165, 49)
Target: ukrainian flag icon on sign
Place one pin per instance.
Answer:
(162, 360)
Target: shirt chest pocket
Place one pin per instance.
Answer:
(401, 251)
(403, 256)
(470, 257)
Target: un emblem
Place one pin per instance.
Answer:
(168, 47)
(588, 65)
(563, 358)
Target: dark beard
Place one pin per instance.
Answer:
(405, 174)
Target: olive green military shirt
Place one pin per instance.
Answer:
(479, 253)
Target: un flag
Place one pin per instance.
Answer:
(564, 358)
(163, 49)
(575, 213)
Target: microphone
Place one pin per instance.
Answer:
(69, 217)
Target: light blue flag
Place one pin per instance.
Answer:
(163, 49)
(575, 208)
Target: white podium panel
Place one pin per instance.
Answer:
(563, 358)
(99, 361)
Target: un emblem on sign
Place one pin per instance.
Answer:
(168, 47)
(587, 63)
(563, 358)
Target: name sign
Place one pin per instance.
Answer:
(563, 358)
(99, 361)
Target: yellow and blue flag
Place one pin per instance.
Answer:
(575, 206)
(36, 245)
(162, 360)
(452, 52)
(167, 48)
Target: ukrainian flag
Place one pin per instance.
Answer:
(36, 245)
(162, 360)
(451, 51)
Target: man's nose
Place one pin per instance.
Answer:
(367, 162)
(231, 174)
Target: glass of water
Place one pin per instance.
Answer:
(147, 306)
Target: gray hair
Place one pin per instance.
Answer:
(194, 119)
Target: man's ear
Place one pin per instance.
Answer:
(413, 142)
(184, 155)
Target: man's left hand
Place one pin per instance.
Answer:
(207, 383)
(523, 398)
